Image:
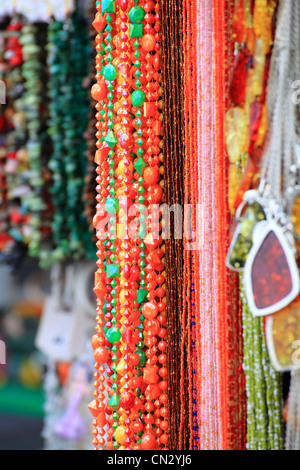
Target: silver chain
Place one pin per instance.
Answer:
(279, 155)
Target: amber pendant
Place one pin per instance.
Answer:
(283, 337)
(271, 273)
(241, 243)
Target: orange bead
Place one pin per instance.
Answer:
(151, 175)
(164, 426)
(95, 342)
(148, 442)
(99, 91)
(101, 355)
(148, 42)
(150, 311)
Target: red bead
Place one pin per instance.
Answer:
(148, 42)
(150, 311)
(101, 355)
(148, 442)
(151, 175)
(137, 427)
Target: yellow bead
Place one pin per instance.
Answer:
(121, 367)
(120, 435)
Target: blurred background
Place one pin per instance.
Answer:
(47, 238)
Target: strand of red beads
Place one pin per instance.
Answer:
(101, 353)
(130, 380)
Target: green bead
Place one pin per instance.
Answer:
(114, 402)
(136, 14)
(140, 166)
(141, 295)
(112, 271)
(136, 30)
(108, 6)
(142, 356)
(112, 205)
(110, 72)
(111, 139)
(143, 231)
(114, 335)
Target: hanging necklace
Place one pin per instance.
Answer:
(271, 273)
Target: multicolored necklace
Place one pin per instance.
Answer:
(129, 282)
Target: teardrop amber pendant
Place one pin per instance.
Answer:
(271, 273)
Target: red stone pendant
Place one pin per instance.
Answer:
(271, 273)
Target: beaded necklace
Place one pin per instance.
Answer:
(68, 52)
(172, 67)
(37, 203)
(14, 158)
(131, 315)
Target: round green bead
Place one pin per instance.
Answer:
(138, 98)
(136, 14)
(114, 335)
(110, 72)
(112, 205)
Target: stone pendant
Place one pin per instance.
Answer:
(241, 242)
(271, 273)
(283, 337)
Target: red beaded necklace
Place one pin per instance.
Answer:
(130, 280)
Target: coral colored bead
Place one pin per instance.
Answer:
(148, 43)
(163, 398)
(151, 175)
(164, 426)
(150, 311)
(126, 140)
(163, 385)
(137, 427)
(164, 439)
(99, 91)
(127, 400)
(95, 342)
(162, 333)
(156, 194)
(135, 382)
(162, 345)
(164, 412)
(101, 355)
(162, 359)
(148, 442)
(163, 372)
